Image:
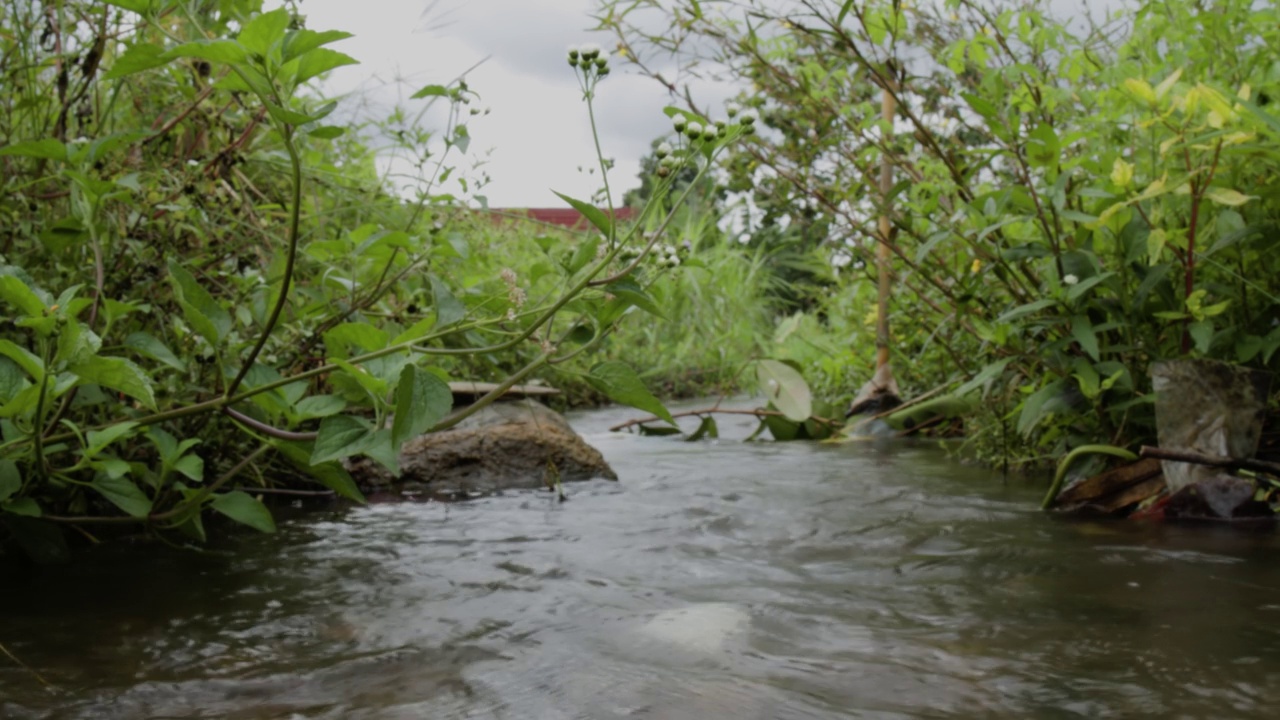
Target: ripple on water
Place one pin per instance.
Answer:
(716, 580)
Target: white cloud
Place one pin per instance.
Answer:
(514, 54)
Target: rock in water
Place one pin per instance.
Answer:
(704, 628)
(508, 445)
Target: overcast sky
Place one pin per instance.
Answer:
(537, 133)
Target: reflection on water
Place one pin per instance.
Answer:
(717, 580)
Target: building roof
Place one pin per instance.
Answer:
(564, 217)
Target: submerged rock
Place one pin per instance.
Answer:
(507, 445)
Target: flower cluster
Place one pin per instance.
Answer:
(515, 294)
(589, 57)
(667, 256)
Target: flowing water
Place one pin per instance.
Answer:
(717, 580)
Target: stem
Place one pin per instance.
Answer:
(295, 212)
(1065, 465)
(888, 106)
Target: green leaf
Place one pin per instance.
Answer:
(327, 132)
(449, 309)
(591, 213)
(264, 30)
(341, 436)
(416, 331)
(152, 347)
(136, 59)
(370, 381)
(983, 378)
(123, 494)
(320, 60)
(199, 308)
(302, 41)
(12, 380)
(244, 509)
(319, 406)
(98, 440)
(118, 374)
(361, 335)
(658, 430)
(224, 51)
(22, 403)
(16, 293)
(26, 507)
(141, 7)
(48, 149)
(381, 451)
(192, 466)
(330, 474)
(76, 344)
(584, 253)
(1082, 331)
(1026, 309)
(10, 479)
(25, 359)
(1048, 399)
(632, 293)
(785, 389)
(1202, 334)
(430, 91)
(1084, 286)
(1043, 146)
(706, 429)
(621, 384)
(422, 400)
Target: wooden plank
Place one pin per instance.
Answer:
(481, 388)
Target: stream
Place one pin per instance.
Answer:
(717, 579)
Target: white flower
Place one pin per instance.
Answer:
(590, 51)
(1070, 280)
(664, 150)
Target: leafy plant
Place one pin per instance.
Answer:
(259, 304)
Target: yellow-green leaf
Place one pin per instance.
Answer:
(1228, 197)
(1140, 89)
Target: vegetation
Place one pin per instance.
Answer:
(211, 290)
(1071, 201)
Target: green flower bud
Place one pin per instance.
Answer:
(664, 150)
(678, 123)
(693, 130)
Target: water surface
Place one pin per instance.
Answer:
(717, 580)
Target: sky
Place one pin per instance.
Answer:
(537, 134)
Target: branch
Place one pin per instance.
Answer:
(1190, 456)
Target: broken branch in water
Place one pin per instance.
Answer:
(716, 411)
(1189, 456)
(28, 668)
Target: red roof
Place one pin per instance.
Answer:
(564, 217)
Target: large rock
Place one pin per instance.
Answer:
(506, 445)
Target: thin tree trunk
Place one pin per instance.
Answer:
(888, 108)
